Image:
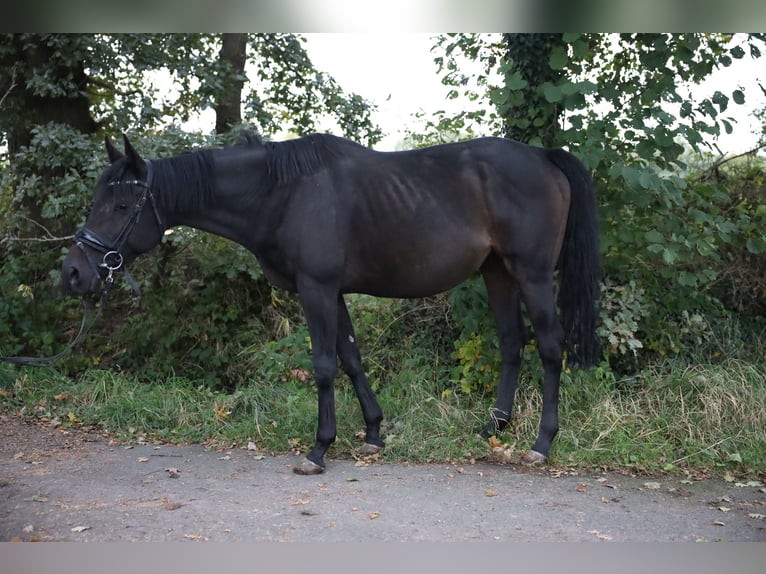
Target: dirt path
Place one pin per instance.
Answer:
(66, 485)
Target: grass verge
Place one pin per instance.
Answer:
(669, 417)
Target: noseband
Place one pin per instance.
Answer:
(113, 259)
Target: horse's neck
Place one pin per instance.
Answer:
(235, 207)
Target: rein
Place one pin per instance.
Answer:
(112, 260)
(46, 361)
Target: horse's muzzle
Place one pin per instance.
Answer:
(77, 277)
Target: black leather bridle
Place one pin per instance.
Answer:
(113, 258)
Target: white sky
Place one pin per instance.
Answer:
(395, 71)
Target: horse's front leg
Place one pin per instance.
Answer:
(351, 361)
(320, 306)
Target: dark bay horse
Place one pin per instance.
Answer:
(325, 216)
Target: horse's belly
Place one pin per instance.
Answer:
(411, 272)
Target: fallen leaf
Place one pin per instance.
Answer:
(756, 515)
(373, 515)
(600, 535)
(352, 479)
(80, 528)
(582, 488)
(221, 412)
(16, 539)
(143, 459)
(490, 492)
(61, 396)
(258, 457)
(40, 499)
(724, 508)
(604, 499)
(196, 537)
(751, 483)
(171, 505)
(173, 472)
(729, 477)
(494, 442)
(28, 529)
(251, 446)
(653, 485)
(301, 501)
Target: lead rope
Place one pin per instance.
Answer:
(47, 361)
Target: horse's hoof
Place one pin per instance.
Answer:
(533, 458)
(368, 449)
(306, 467)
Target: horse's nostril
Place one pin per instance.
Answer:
(72, 276)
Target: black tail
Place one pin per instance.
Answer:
(579, 264)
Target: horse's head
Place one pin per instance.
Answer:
(123, 223)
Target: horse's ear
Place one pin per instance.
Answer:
(113, 153)
(133, 158)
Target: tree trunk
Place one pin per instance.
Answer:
(228, 108)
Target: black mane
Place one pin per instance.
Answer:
(292, 159)
(185, 182)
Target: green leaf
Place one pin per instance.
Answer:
(645, 180)
(669, 256)
(721, 101)
(738, 96)
(552, 93)
(516, 82)
(654, 236)
(558, 58)
(737, 52)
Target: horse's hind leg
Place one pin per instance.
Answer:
(537, 289)
(351, 362)
(503, 294)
